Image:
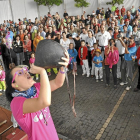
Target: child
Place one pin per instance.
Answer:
(73, 54)
(31, 61)
(83, 53)
(2, 79)
(98, 65)
(93, 54)
(12, 65)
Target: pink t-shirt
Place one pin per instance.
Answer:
(32, 60)
(33, 123)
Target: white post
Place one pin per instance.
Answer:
(25, 9)
(11, 10)
(38, 11)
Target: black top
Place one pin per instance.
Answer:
(52, 34)
(18, 48)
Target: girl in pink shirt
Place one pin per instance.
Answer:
(30, 101)
(31, 61)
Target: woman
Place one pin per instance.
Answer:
(65, 41)
(30, 101)
(111, 60)
(27, 49)
(96, 30)
(37, 39)
(18, 49)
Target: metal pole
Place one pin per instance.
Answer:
(11, 10)
(25, 9)
(38, 11)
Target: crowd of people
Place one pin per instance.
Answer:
(104, 39)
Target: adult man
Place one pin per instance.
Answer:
(122, 10)
(127, 64)
(53, 35)
(84, 34)
(136, 35)
(129, 27)
(133, 10)
(102, 39)
(42, 33)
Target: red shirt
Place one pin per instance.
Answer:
(122, 10)
(117, 11)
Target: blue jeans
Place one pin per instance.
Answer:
(19, 58)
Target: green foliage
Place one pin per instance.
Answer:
(81, 3)
(49, 3)
(115, 2)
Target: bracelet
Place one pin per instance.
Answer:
(62, 72)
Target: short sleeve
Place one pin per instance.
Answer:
(109, 36)
(17, 107)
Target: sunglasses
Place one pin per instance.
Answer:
(20, 72)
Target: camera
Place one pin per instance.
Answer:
(119, 35)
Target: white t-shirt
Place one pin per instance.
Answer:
(83, 36)
(103, 38)
(65, 44)
(121, 49)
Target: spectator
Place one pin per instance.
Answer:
(102, 39)
(84, 34)
(53, 35)
(136, 35)
(73, 54)
(133, 10)
(65, 41)
(27, 49)
(36, 40)
(89, 42)
(18, 49)
(122, 10)
(111, 60)
(83, 53)
(97, 60)
(127, 64)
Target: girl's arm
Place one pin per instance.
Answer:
(60, 78)
(44, 98)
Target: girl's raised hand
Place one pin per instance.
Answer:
(65, 59)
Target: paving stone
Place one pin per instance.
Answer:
(93, 105)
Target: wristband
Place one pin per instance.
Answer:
(62, 72)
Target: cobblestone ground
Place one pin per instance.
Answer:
(93, 105)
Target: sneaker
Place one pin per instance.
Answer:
(97, 80)
(123, 83)
(83, 73)
(107, 85)
(49, 74)
(136, 90)
(102, 80)
(87, 75)
(128, 88)
(76, 73)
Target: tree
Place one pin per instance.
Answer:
(115, 2)
(81, 4)
(49, 3)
